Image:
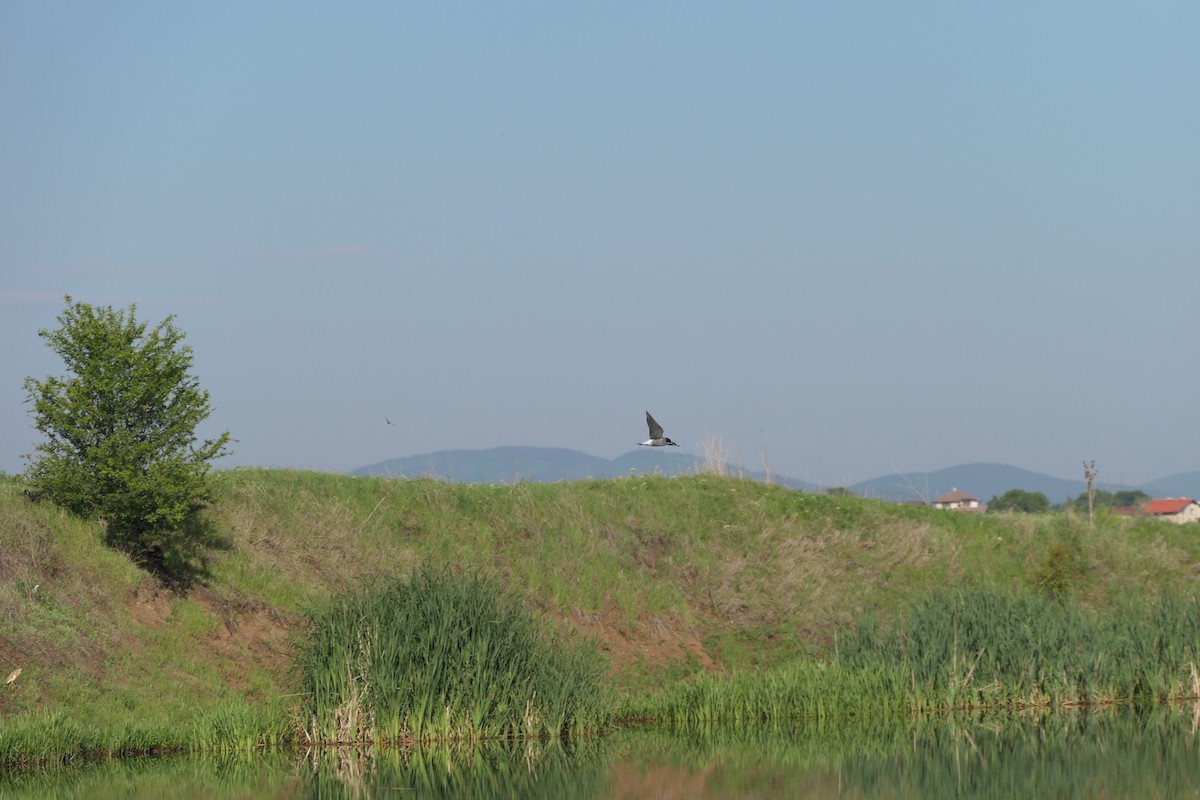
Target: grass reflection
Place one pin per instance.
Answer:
(1064, 753)
(258, 775)
(530, 769)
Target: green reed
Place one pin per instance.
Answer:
(989, 647)
(965, 649)
(441, 657)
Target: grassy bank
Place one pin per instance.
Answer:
(671, 576)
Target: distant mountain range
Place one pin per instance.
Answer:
(986, 481)
(550, 464)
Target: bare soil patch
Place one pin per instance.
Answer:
(656, 642)
(252, 636)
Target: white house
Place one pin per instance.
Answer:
(957, 500)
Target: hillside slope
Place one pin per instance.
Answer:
(670, 574)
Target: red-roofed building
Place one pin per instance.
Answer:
(1175, 509)
(958, 500)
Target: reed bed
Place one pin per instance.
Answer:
(442, 657)
(968, 649)
(985, 648)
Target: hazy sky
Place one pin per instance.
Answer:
(854, 238)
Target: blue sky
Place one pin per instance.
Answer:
(850, 239)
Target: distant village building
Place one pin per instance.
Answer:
(957, 500)
(1174, 509)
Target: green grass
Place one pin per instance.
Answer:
(59, 737)
(674, 576)
(805, 690)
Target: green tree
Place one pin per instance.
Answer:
(1103, 499)
(121, 442)
(1100, 499)
(1020, 500)
(1131, 497)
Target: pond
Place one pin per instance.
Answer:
(1113, 753)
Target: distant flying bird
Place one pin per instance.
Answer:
(656, 434)
(389, 422)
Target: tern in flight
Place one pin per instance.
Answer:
(656, 434)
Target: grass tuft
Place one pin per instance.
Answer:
(441, 657)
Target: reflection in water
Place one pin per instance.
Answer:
(1062, 754)
(265, 775)
(519, 770)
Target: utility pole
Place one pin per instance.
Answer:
(1089, 478)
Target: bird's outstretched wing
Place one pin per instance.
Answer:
(656, 431)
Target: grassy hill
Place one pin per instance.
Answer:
(672, 575)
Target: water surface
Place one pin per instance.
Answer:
(1066, 754)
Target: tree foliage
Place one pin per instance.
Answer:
(121, 442)
(1103, 499)
(1130, 497)
(1020, 500)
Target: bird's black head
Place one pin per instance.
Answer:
(668, 441)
